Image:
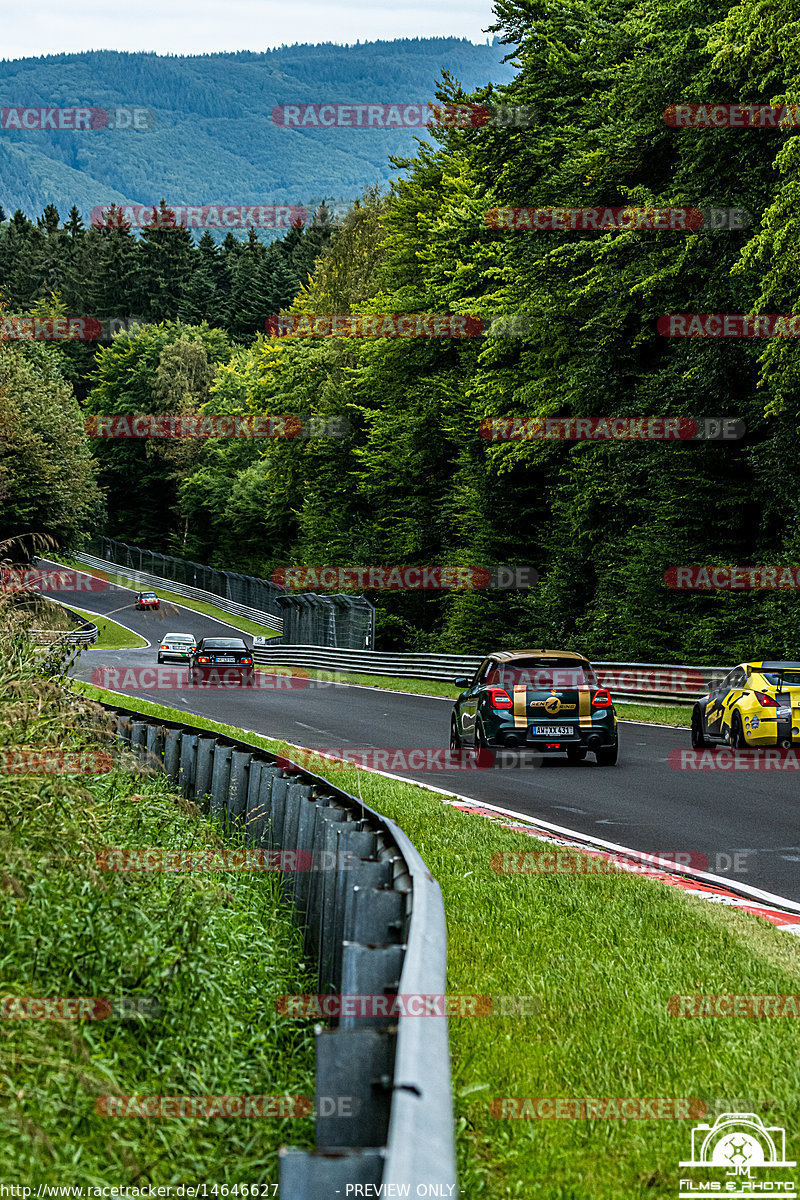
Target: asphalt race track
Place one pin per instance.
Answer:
(644, 803)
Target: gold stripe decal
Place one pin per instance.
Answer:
(584, 708)
(520, 705)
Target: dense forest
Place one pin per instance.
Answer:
(414, 481)
(212, 138)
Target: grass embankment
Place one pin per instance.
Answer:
(604, 954)
(110, 634)
(211, 950)
(208, 610)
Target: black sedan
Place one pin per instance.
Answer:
(221, 660)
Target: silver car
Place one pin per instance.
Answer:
(176, 646)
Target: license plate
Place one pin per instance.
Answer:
(550, 731)
(225, 660)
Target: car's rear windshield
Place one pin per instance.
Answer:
(179, 637)
(788, 678)
(543, 673)
(148, 595)
(223, 644)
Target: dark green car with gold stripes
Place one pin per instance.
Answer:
(543, 700)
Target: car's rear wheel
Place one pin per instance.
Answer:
(737, 733)
(699, 739)
(484, 755)
(456, 749)
(607, 757)
(576, 754)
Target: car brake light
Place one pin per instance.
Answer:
(498, 698)
(601, 699)
(766, 701)
(552, 745)
(164, 647)
(204, 659)
(247, 661)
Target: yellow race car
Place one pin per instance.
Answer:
(757, 704)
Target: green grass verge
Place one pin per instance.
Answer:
(110, 634)
(604, 954)
(211, 950)
(209, 610)
(673, 714)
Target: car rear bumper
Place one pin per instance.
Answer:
(595, 738)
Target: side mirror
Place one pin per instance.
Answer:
(461, 682)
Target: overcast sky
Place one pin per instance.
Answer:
(204, 26)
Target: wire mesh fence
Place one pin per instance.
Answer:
(242, 589)
(344, 622)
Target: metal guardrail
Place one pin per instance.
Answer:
(374, 918)
(659, 682)
(183, 589)
(86, 635)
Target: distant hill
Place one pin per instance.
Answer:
(214, 140)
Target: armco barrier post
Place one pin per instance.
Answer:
(356, 1063)
(324, 946)
(155, 744)
(370, 874)
(369, 971)
(327, 1176)
(326, 814)
(172, 753)
(352, 846)
(204, 769)
(188, 763)
(220, 778)
(237, 789)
